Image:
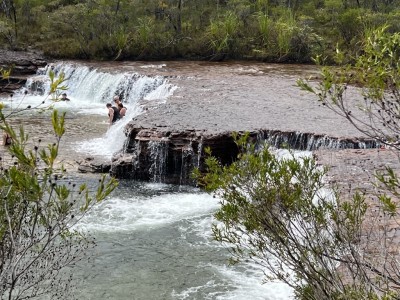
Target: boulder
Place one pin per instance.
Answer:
(94, 165)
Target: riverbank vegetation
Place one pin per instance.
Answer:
(39, 208)
(323, 241)
(267, 30)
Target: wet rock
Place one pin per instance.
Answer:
(93, 165)
(121, 166)
(170, 156)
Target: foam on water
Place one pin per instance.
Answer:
(159, 93)
(287, 154)
(117, 214)
(249, 285)
(19, 101)
(160, 66)
(241, 282)
(201, 227)
(89, 89)
(234, 283)
(112, 141)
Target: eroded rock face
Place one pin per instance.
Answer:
(161, 155)
(22, 64)
(170, 157)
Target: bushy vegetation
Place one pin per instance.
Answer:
(280, 213)
(39, 208)
(282, 31)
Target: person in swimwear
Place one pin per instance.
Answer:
(122, 110)
(117, 100)
(113, 114)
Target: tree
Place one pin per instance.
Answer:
(376, 112)
(8, 8)
(281, 214)
(39, 207)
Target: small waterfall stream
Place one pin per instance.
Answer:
(150, 234)
(168, 160)
(158, 156)
(92, 85)
(89, 89)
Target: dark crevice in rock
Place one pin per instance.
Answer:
(162, 155)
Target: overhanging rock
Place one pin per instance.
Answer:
(161, 155)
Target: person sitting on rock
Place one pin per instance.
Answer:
(113, 114)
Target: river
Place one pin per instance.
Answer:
(154, 241)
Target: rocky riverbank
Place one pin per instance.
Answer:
(170, 156)
(22, 64)
(169, 138)
(211, 102)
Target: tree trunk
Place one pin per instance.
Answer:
(117, 8)
(179, 18)
(10, 12)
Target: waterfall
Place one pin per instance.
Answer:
(310, 141)
(188, 162)
(199, 151)
(92, 85)
(158, 157)
(89, 89)
(172, 160)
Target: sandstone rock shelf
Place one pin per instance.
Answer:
(213, 100)
(167, 156)
(22, 64)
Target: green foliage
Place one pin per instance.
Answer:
(375, 112)
(160, 29)
(280, 213)
(55, 84)
(350, 25)
(264, 24)
(223, 34)
(285, 28)
(374, 76)
(269, 30)
(39, 208)
(144, 33)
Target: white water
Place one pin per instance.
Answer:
(124, 214)
(162, 234)
(89, 90)
(154, 240)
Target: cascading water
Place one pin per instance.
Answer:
(187, 163)
(310, 142)
(158, 156)
(154, 240)
(199, 151)
(89, 90)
